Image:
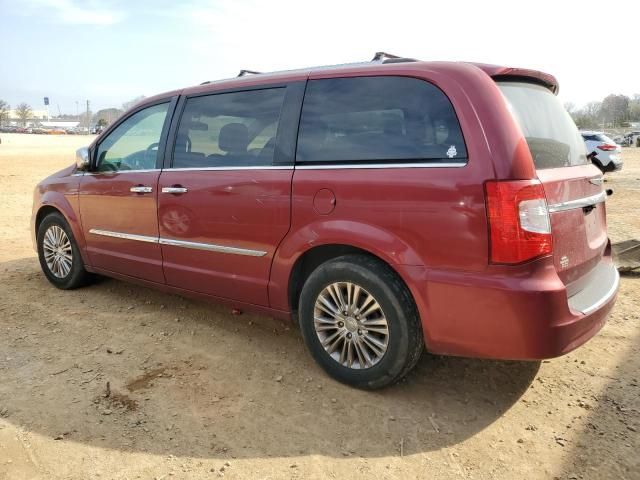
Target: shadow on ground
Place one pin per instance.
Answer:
(612, 423)
(190, 379)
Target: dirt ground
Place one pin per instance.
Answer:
(196, 392)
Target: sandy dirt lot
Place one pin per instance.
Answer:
(196, 392)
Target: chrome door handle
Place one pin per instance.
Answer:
(141, 189)
(174, 190)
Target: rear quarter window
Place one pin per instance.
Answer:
(552, 136)
(378, 120)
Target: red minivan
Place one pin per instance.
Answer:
(386, 207)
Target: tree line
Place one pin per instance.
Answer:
(614, 111)
(101, 118)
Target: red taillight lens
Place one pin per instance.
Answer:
(519, 224)
(607, 147)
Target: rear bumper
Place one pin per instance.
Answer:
(517, 313)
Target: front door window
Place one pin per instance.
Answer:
(133, 145)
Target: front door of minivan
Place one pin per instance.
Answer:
(224, 203)
(118, 198)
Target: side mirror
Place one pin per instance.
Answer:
(82, 158)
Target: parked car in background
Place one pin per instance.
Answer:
(386, 206)
(605, 153)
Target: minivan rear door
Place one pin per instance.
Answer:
(573, 186)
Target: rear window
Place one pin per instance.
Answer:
(597, 137)
(553, 139)
(378, 119)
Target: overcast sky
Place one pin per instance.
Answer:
(109, 51)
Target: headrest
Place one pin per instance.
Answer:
(234, 137)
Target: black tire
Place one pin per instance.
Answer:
(77, 275)
(405, 341)
(597, 163)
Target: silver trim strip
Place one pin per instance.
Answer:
(123, 171)
(195, 169)
(596, 180)
(335, 166)
(606, 297)
(578, 203)
(180, 243)
(212, 248)
(126, 236)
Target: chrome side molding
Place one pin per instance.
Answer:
(180, 243)
(578, 203)
(211, 247)
(126, 236)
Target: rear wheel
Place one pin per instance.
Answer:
(58, 253)
(359, 322)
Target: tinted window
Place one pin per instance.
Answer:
(229, 129)
(133, 145)
(378, 119)
(590, 137)
(553, 139)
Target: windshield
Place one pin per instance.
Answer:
(553, 139)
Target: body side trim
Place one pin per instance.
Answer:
(180, 243)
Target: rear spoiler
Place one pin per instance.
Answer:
(523, 74)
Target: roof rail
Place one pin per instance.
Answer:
(384, 57)
(248, 72)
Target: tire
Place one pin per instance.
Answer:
(60, 274)
(403, 342)
(597, 163)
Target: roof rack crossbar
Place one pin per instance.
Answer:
(384, 57)
(381, 56)
(244, 72)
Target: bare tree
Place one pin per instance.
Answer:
(615, 108)
(127, 105)
(570, 107)
(24, 112)
(593, 109)
(4, 111)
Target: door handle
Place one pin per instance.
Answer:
(176, 189)
(141, 189)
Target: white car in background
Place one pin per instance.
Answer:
(605, 153)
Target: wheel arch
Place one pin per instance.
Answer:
(328, 238)
(315, 256)
(59, 204)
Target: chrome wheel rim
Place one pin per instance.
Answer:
(58, 254)
(351, 325)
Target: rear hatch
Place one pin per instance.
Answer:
(573, 187)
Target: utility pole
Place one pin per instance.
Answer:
(88, 116)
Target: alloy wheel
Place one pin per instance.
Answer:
(351, 325)
(57, 251)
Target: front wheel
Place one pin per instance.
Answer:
(359, 322)
(58, 253)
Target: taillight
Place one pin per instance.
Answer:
(519, 224)
(607, 147)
